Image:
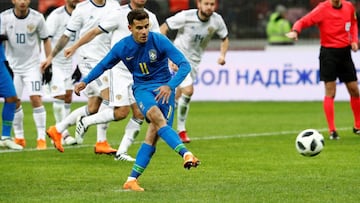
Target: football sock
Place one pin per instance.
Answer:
(39, 115)
(355, 107)
(143, 158)
(67, 108)
(102, 127)
(59, 110)
(8, 112)
(328, 105)
(131, 131)
(172, 139)
(182, 111)
(104, 115)
(71, 118)
(18, 123)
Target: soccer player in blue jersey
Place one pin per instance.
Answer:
(7, 91)
(146, 56)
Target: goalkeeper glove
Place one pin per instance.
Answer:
(76, 76)
(47, 75)
(9, 69)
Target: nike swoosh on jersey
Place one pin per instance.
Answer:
(129, 58)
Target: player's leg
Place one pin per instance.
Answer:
(143, 157)
(183, 107)
(353, 90)
(328, 105)
(7, 91)
(133, 126)
(18, 124)
(59, 90)
(132, 129)
(32, 82)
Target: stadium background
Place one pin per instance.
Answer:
(254, 70)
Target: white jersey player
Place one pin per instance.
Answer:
(61, 85)
(87, 15)
(25, 28)
(121, 95)
(195, 28)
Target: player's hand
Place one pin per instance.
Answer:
(78, 87)
(292, 35)
(221, 60)
(45, 64)
(47, 75)
(68, 52)
(76, 76)
(164, 93)
(354, 46)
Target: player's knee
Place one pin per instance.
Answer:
(121, 113)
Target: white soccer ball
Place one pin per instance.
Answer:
(309, 142)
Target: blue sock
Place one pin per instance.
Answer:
(172, 139)
(143, 158)
(7, 118)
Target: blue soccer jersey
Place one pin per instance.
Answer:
(148, 63)
(7, 88)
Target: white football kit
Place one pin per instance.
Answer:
(120, 78)
(194, 35)
(62, 67)
(23, 48)
(85, 17)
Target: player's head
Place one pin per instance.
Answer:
(206, 8)
(138, 20)
(336, 3)
(72, 3)
(137, 3)
(21, 5)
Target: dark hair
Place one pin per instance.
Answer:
(137, 14)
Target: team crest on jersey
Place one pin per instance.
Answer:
(211, 29)
(118, 97)
(30, 28)
(152, 55)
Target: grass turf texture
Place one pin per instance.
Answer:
(247, 151)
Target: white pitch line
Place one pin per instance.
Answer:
(213, 137)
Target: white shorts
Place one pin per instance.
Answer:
(31, 80)
(61, 80)
(121, 82)
(191, 77)
(95, 87)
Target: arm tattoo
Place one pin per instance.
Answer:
(60, 45)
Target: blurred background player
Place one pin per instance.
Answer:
(146, 56)
(61, 85)
(278, 26)
(195, 29)
(87, 15)
(121, 95)
(336, 20)
(7, 91)
(24, 27)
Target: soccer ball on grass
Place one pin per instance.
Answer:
(309, 142)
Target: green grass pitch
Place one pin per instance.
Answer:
(247, 150)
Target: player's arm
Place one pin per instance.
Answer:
(90, 35)
(47, 49)
(224, 46)
(109, 61)
(61, 43)
(164, 28)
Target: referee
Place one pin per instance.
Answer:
(337, 23)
